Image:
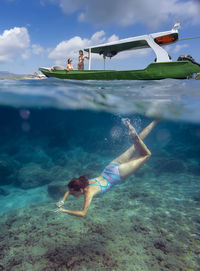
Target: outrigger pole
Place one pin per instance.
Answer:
(161, 54)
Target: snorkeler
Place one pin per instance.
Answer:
(117, 171)
(40, 76)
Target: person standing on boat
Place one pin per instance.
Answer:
(69, 66)
(114, 173)
(81, 59)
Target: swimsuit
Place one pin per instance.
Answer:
(69, 67)
(81, 63)
(112, 176)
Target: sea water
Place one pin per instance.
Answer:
(53, 130)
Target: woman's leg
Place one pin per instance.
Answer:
(129, 154)
(128, 168)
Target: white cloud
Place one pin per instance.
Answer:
(26, 54)
(113, 38)
(128, 12)
(37, 49)
(16, 42)
(176, 48)
(67, 49)
(13, 42)
(70, 48)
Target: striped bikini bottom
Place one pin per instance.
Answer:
(112, 176)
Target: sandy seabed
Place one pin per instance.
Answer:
(140, 227)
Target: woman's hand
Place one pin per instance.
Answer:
(60, 203)
(59, 210)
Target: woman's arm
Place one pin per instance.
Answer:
(82, 213)
(66, 195)
(60, 203)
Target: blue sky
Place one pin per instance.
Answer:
(42, 33)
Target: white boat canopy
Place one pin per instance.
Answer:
(154, 41)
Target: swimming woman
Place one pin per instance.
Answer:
(40, 76)
(117, 171)
(81, 59)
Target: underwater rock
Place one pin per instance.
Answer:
(58, 156)
(160, 245)
(194, 169)
(170, 165)
(3, 192)
(196, 198)
(40, 157)
(2, 267)
(8, 170)
(36, 155)
(61, 174)
(32, 175)
(137, 194)
(143, 171)
(5, 168)
(56, 190)
(25, 153)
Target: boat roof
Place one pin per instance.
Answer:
(133, 43)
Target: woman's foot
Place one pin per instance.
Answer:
(126, 121)
(132, 132)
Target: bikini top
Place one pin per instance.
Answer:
(81, 59)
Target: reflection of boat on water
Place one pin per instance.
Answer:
(163, 68)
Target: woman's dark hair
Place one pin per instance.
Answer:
(69, 60)
(77, 184)
(81, 51)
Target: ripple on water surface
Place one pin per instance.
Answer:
(170, 99)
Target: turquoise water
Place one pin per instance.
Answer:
(54, 130)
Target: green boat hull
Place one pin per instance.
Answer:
(161, 70)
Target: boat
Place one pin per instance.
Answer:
(162, 68)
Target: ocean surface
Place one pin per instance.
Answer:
(53, 130)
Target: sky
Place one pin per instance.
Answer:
(44, 33)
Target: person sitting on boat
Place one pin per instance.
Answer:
(81, 59)
(116, 172)
(69, 66)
